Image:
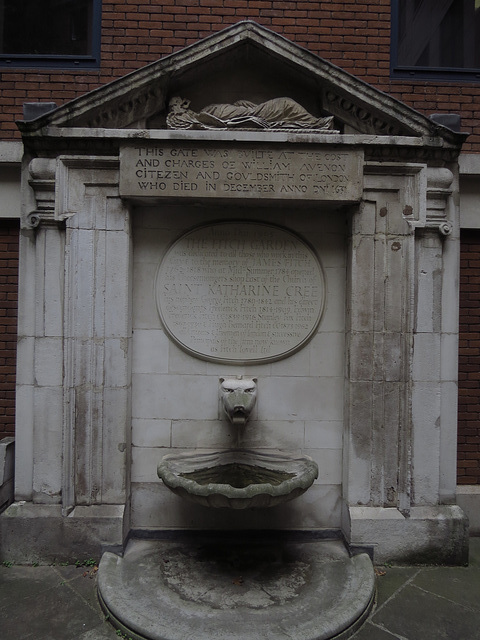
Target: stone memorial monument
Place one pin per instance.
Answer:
(309, 242)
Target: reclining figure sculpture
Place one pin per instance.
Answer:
(278, 113)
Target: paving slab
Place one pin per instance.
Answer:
(427, 602)
(423, 615)
(50, 603)
(391, 581)
(371, 631)
(453, 584)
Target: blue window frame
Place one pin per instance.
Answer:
(50, 33)
(436, 39)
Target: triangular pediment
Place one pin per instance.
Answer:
(243, 62)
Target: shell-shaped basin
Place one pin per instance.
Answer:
(237, 478)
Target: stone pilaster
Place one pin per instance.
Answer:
(399, 459)
(73, 442)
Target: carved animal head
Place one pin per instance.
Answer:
(238, 396)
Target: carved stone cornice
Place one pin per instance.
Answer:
(136, 107)
(361, 117)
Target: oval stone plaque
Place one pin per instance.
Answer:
(240, 292)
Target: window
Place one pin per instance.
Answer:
(436, 39)
(50, 33)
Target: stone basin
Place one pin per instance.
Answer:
(238, 478)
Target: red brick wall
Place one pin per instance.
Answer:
(8, 323)
(468, 469)
(354, 35)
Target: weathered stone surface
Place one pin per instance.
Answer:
(192, 170)
(238, 478)
(431, 534)
(7, 453)
(40, 533)
(468, 498)
(240, 292)
(265, 589)
(89, 255)
(143, 94)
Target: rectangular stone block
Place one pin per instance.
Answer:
(433, 534)
(7, 465)
(151, 433)
(47, 444)
(116, 355)
(25, 411)
(329, 465)
(144, 463)
(173, 397)
(426, 357)
(358, 439)
(327, 354)
(362, 297)
(54, 284)
(117, 316)
(301, 398)
(274, 434)
(115, 214)
(150, 351)
(48, 367)
(208, 434)
(426, 417)
(181, 362)
(143, 300)
(334, 314)
(25, 359)
(326, 434)
(111, 472)
(40, 533)
(468, 499)
(255, 172)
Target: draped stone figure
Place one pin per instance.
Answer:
(278, 113)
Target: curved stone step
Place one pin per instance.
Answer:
(259, 590)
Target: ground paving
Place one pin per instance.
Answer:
(413, 603)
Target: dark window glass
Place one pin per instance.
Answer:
(440, 36)
(56, 32)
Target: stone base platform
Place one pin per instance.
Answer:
(40, 533)
(258, 589)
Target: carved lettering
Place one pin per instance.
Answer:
(185, 169)
(240, 292)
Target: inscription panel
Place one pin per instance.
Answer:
(183, 170)
(240, 292)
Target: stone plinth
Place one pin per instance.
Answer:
(429, 535)
(41, 533)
